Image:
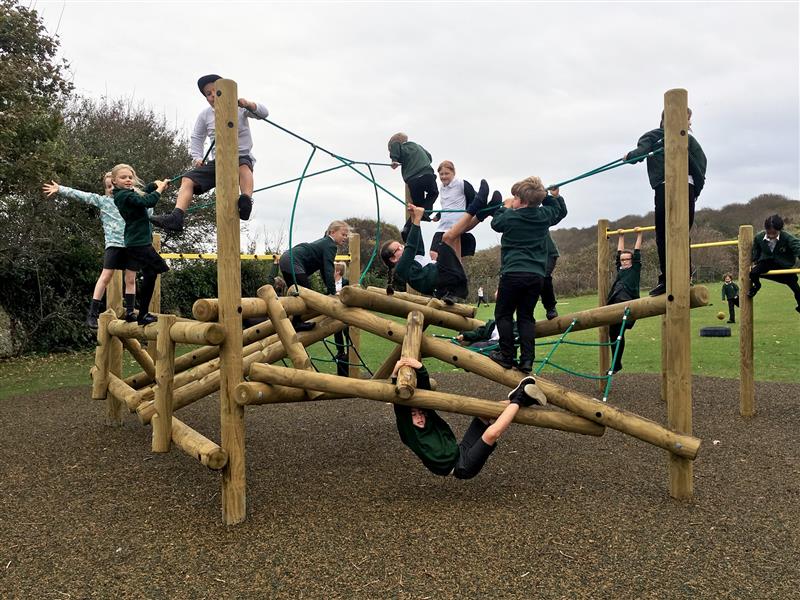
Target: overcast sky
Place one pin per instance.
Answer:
(504, 90)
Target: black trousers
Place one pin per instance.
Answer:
(451, 279)
(548, 293)
(423, 190)
(731, 311)
(789, 279)
(517, 292)
(661, 234)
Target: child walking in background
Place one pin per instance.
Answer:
(133, 203)
(309, 257)
(524, 221)
(417, 173)
(114, 231)
(649, 142)
(202, 177)
(481, 297)
(429, 436)
(624, 288)
(454, 194)
(775, 249)
(730, 292)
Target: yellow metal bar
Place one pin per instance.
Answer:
(782, 272)
(211, 256)
(610, 232)
(714, 244)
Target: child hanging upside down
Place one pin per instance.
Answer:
(431, 439)
(202, 177)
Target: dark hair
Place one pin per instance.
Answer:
(774, 222)
(386, 255)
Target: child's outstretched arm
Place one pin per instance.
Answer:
(62, 190)
(501, 424)
(620, 240)
(639, 233)
(258, 110)
(50, 188)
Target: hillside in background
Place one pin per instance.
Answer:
(576, 269)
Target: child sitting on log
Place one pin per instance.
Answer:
(775, 249)
(624, 288)
(133, 204)
(114, 232)
(307, 258)
(431, 439)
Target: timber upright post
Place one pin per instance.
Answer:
(678, 335)
(354, 248)
(155, 303)
(602, 296)
(229, 283)
(747, 407)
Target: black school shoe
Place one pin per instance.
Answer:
(131, 317)
(303, 326)
(659, 290)
(501, 359)
(172, 222)
(245, 205)
(526, 366)
(146, 319)
(519, 396)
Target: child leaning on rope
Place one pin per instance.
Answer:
(202, 177)
(114, 232)
(133, 203)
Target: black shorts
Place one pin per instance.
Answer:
(472, 451)
(115, 258)
(451, 278)
(145, 259)
(204, 177)
(467, 243)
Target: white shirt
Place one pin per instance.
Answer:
(451, 197)
(204, 128)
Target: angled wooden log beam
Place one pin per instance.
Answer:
(207, 309)
(355, 297)
(252, 393)
(385, 392)
(606, 315)
(195, 444)
(465, 310)
(283, 327)
(406, 376)
(141, 356)
(194, 332)
(123, 391)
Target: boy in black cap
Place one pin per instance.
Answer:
(202, 177)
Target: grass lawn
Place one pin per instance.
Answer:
(776, 347)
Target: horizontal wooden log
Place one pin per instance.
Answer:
(207, 309)
(123, 329)
(253, 393)
(195, 332)
(196, 445)
(458, 356)
(208, 384)
(465, 310)
(385, 392)
(649, 306)
(356, 297)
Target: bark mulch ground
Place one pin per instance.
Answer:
(338, 508)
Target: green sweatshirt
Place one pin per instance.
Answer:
(133, 208)
(786, 252)
(653, 140)
(435, 444)
(422, 279)
(626, 285)
(315, 256)
(524, 246)
(729, 291)
(413, 158)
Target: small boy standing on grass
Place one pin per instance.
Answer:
(417, 172)
(730, 292)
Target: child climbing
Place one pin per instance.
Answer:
(307, 258)
(132, 203)
(773, 249)
(202, 177)
(649, 142)
(444, 279)
(417, 172)
(548, 291)
(730, 292)
(431, 439)
(624, 288)
(114, 231)
(524, 221)
(340, 338)
(455, 194)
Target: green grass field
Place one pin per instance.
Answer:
(776, 348)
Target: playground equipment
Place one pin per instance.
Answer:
(228, 353)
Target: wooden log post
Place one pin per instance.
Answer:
(354, 350)
(747, 390)
(406, 376)
(195, 444)
(114, 292)
(207, 309)
(100, 372)
(387, 367)
(165, 375)
(229, 284)
(385, 392)
(604, 358)
(679, 365)
(155, 302)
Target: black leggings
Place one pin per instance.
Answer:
(518, 292)
(661, 235)
(788, 279)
